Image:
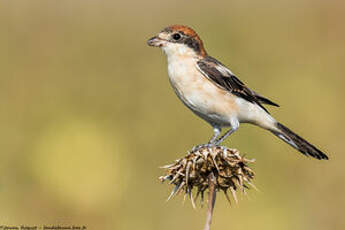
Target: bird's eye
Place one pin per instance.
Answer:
(176, 36)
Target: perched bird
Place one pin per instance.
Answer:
(214, 93)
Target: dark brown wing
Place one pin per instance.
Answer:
(224, 78)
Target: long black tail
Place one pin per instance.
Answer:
(298, 142)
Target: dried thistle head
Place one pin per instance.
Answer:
(230, 170)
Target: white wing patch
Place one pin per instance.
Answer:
(223, 70)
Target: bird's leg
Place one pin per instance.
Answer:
(228, 133)
(211, 143)
(216, 133)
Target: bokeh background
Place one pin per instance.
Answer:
(88, 115)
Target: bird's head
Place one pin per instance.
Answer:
(178, 40)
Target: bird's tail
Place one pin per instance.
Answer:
(298, 142)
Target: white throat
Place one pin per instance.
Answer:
(177, 50)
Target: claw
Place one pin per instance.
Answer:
(224, 149)
(208, 145)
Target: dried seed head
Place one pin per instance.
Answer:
(231, 172)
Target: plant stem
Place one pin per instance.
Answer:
(211, 200)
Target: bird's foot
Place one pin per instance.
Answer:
(224, 148)
(208, 145)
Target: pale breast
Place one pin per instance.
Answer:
(203, 97)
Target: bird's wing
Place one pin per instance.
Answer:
(224, 78)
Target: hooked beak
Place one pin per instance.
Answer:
(155, 41)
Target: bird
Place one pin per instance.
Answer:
(217, 95)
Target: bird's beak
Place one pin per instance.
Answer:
(155, 41)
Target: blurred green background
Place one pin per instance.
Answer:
(88, 115)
